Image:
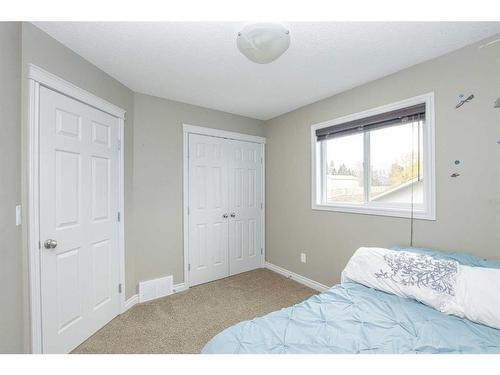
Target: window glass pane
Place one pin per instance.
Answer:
(394, 176)
(344, 169)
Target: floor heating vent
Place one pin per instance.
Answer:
(157, 288)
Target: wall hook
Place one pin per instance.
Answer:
(463, 101)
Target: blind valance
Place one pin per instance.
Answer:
(398, 116)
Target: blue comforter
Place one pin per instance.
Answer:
(351, 318)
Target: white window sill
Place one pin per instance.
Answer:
(378, 211)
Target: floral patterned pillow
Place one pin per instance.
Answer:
(422, 271)
(411, 275)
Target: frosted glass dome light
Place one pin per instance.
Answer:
(263, 42)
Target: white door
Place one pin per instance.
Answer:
(78, 209)
(245, 206)
(208, 223)
(225, 211)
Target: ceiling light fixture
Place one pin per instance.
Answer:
(263, 43)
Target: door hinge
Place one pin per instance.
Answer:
(261, 205)
(261, 160)
(261, 250)
(119, 145)
(188, 210)
(119, 288)
(189, 267)
(119, 216)
(39, 245)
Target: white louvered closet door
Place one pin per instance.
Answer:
(224, 207)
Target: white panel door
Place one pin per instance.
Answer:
(78, 208)
(208, 202)
(245, 206)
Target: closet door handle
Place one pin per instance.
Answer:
(233, 214)
(224, 216)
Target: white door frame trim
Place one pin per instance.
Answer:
(191, 129)
(38, 77)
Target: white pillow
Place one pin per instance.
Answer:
(411, 275)
(477, 296)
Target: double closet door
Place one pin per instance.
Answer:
(225, 207)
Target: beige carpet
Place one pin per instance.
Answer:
(185, 322)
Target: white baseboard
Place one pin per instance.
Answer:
(180, 287)
(298, 278)
(134, 300)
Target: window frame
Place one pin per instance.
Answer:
(428, 212)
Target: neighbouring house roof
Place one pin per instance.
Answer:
(386, 193)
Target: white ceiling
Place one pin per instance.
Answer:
(198, 63)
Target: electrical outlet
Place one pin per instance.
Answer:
(303, 258)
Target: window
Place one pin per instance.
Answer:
(378, 162)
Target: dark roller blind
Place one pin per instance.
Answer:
(398, 116)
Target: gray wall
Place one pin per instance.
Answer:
(11, 338)
(158, 143)
(467, 207)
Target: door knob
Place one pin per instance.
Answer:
(224, 216)
(233, 214)
(50, 244)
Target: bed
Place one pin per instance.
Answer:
(352, 318)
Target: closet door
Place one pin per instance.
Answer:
(208, 203)
(79, 189)
(245, 206)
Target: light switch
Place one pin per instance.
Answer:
(18, 215)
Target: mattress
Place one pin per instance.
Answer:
(351, 318)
